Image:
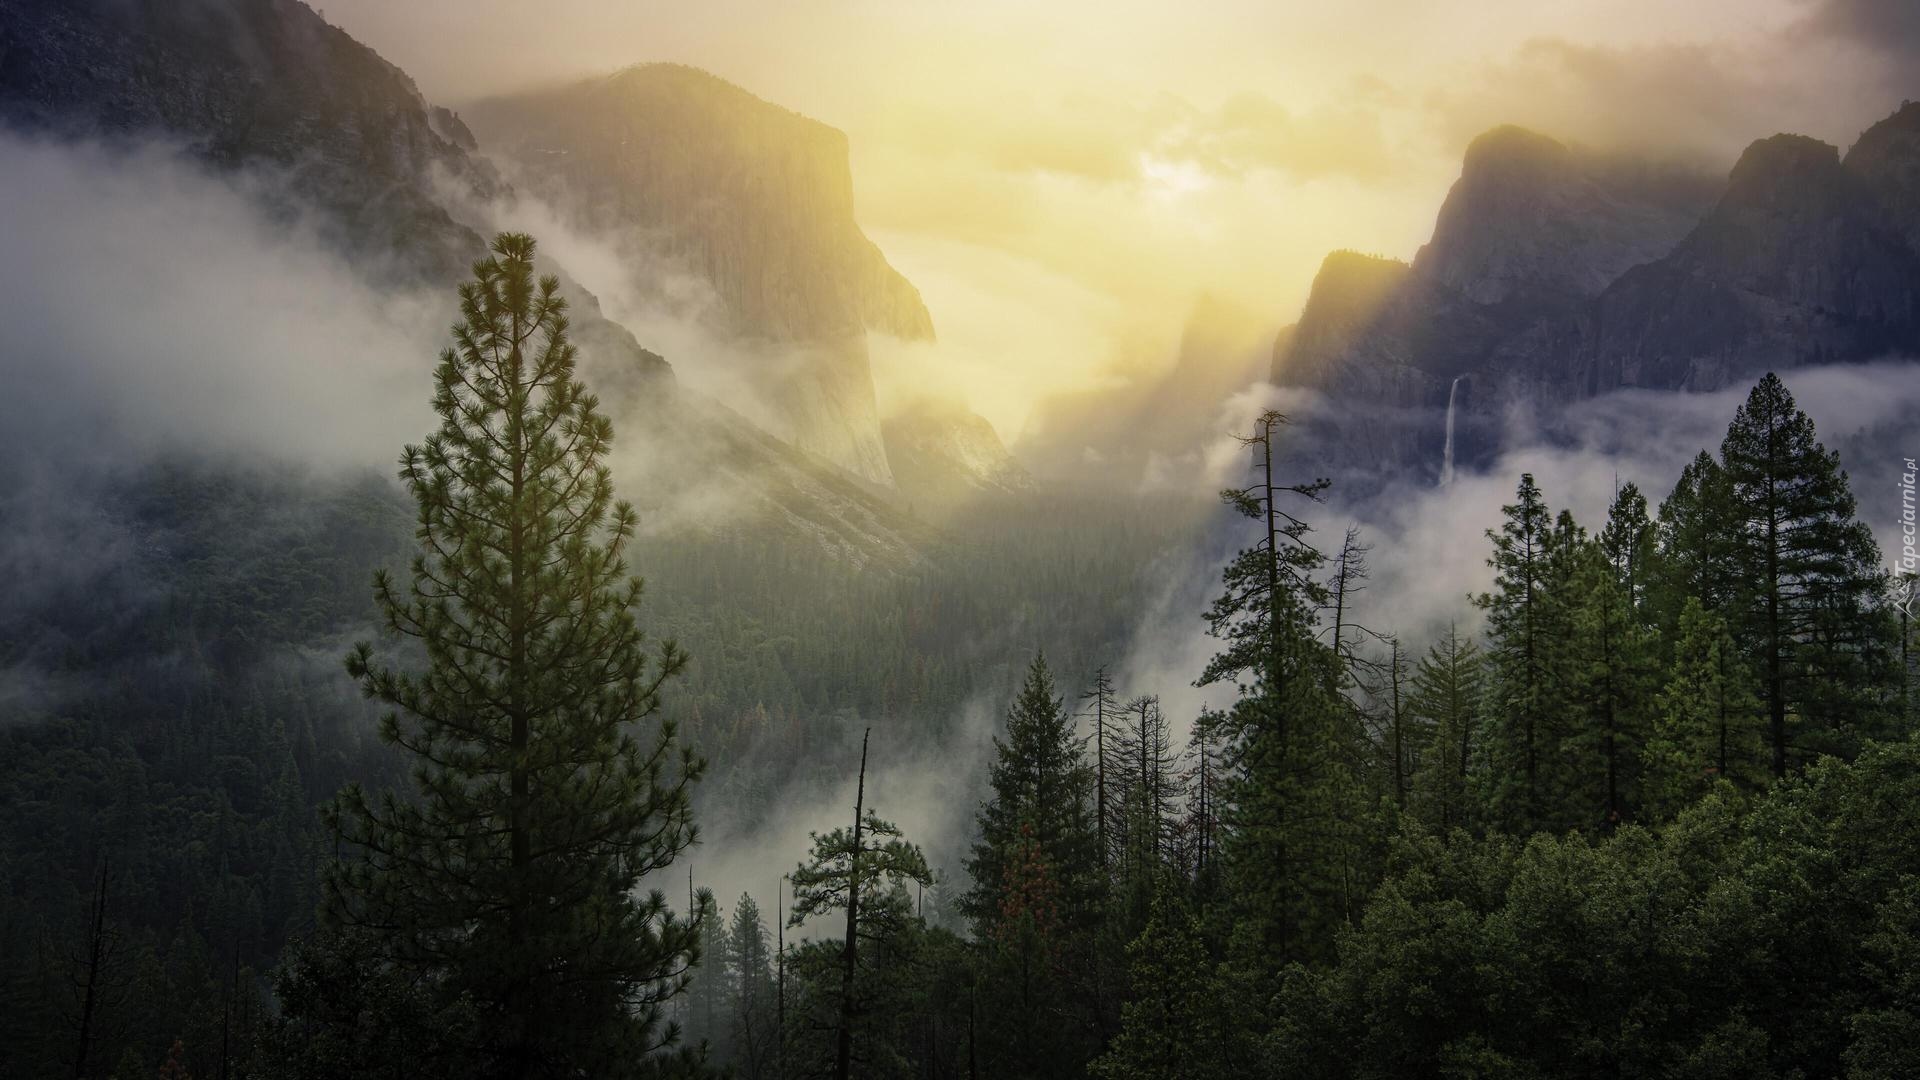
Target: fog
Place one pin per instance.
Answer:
(152, 306)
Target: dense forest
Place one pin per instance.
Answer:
(1647, 810)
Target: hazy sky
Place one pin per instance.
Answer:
(1062, 178)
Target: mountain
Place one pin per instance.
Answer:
(693, 177)
(945, 456)
(257, 84)
(1797, 263)
(344, 142)
(1555, 274)
(1148, 426)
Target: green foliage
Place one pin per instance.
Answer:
(1707, 725)
(511, 880)
(1806, 600)
(1446, 692)
(1181, 1018)
(1523, 707)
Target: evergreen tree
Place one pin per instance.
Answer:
(753, 1038)
(1446, 694)
(1521, 714)
(1035, 902)
(1040, 807)
(546, 792)
(1612, 654)
(1290, 800)
(1806, 606)
(862, 871)
(1180, 1020)
(1706, 722)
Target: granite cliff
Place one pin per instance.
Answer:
(1556, 274)
(695, 177)
(333, 137)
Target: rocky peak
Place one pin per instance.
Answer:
(1886, 160)
(250, 83)
(1349, 291)
(1532, 218)
(753, 198)
(1796, 226)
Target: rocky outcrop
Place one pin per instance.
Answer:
(342, 141)
(1886, 159)
(945, 456)
(691, 175)
(1796, 264)
(1554, 275)
(753, 198)
(253, 83)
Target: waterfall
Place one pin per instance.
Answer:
(1446, 462)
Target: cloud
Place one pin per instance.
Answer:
(152, 306)
(1251, 131)
(1888, 29)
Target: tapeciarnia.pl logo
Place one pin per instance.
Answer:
(1907, 573)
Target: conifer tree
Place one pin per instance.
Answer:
(1036, 898)
(1612, 664)
(1520, 734)
(1180, 1022)
(1290, 800)
(1807, 583)
(1706, 724)
(1102, 710)
(1040, 807)
(1694, 543)
(547, 791)
(861, 871)
(752, 1036)
(1446, 694)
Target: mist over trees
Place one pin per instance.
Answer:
(1644, 807)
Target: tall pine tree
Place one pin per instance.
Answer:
(547, 792)
(1807, 604)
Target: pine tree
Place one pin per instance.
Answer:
(1807, 595)
(1041, 806)
(547, 793)
(1706, 723)
(1102, 710)
(751, 1014)
(1178, 1023)
(1521, 713)
(1694, 542)
(1036, 899)
(861, 871)
(1446, 694)
(1290, 801)
(1612, 657)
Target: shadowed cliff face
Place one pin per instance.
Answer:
(1555, 275)
(249, 83)
(945, 457)
(695, 177)
(335, 141)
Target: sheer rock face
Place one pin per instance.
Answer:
(343, 141)
(697, 177)
(253, 83)
(1554, 275)
(1886, 159)
(1796, 264)
(944, 456)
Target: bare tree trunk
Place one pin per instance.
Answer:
(96, 958)
(850, 955)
